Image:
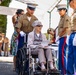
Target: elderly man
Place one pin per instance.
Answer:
(63, 28)
(71, 64)
(35, 38)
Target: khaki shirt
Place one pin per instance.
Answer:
(65, 22)
(24, 24)
(73, 25)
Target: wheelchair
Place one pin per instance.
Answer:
(28, 64)
(36, 65)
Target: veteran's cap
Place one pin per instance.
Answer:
(31, 6)
(36, 23)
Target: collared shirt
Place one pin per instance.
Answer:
(65, 22)
(37, 39)
(24, 24)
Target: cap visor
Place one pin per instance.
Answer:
(31, 8)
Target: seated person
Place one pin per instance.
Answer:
(35, 38)
(51, 31)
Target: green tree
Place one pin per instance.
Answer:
(3, 18)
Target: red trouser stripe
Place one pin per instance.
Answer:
(64, 71)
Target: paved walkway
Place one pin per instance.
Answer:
(6, 66)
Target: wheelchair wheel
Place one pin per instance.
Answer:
(54, 72)
(31, 71)
(20, 73)
(28, 73)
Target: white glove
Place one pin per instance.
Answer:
(22, 33)
(57, 39)
(67, 39)
(74, 40)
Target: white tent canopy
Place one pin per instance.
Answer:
(7, 11)
(46, 5)
(43, 6)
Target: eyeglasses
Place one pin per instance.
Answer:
(39, 25)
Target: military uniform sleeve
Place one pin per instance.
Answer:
(67, 25)
(60, 28)
(74, 20)
(19, 24)
(67, 22)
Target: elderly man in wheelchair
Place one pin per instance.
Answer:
(35, 38)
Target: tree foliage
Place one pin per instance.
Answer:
(3, 18)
